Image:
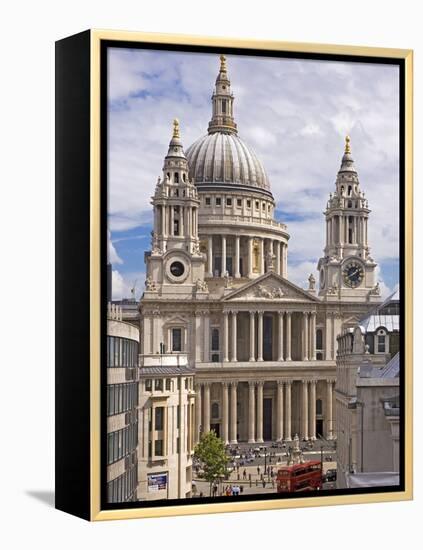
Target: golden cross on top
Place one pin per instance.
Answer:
(176, 128)
(347, 144)
(223, 63)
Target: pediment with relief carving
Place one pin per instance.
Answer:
(270, 287)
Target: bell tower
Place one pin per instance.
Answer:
(347, 271)
(175, 262)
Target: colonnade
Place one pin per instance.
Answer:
(265, 245)
(255, 422)
(338, 229)
(283, 335)
(166, 215)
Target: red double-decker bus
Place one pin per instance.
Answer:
(300, 477)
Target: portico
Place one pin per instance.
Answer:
(268, 335)
(267, 409)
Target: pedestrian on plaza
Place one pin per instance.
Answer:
(264, 483)
(258, 470)
(244, 474)
(241, 488)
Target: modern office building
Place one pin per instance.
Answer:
(122, 407)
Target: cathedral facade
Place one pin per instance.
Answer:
(218, 300)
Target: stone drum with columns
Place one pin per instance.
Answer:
(261, 349)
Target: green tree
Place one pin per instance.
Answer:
(210, 451)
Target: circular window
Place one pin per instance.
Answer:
(177, 269)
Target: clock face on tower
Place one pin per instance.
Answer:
(353, 274)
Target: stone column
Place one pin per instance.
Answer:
(237, 274)
(305, 336)
(163, 219)
(251, 412)
(225, 413)
(206, 337)
(223, 267)
(234, 336)
(328, 336)
(206, 417)
(288, 336)
(198, 338)
(260, 337)
(280, 336)
(329, 409)
(261, 256)
(278, 257)
(250, 257)
(233, 434)
(312, 421)
(312, 354)
(198, 419)
(259, 432)
(171, 224)
(252, 336)
(225, 336)
(285, 261)
(181, 222)
(279, 411)
(304, 412)
(210, 257)
(288, 387)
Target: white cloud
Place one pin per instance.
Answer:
(299, 273)
(113, 256)
(122, 284)
(294, 114)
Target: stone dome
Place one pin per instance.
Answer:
(223, 158)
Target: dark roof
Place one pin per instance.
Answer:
(165, 371)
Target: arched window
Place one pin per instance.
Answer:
(215, 410)
(319, 406)
(176, 177)
(350, 230)
(349, 204)
(184, 177)
(224, 106)
(381, 341)
(349, 190)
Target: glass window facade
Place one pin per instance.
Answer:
(122, 442)
(124, 487)
(121, 352)
(121, 397)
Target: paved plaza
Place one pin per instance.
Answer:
(258, 476)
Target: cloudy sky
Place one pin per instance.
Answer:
(293, 113)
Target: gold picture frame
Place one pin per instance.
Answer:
(89, 506)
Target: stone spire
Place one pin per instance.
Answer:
(175, 162)
(347, 163)
(222, 102)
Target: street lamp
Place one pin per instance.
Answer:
(265, 457)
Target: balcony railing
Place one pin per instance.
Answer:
(207, 219)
